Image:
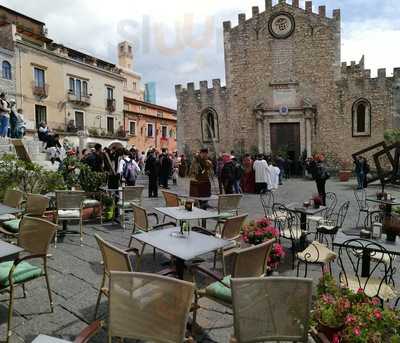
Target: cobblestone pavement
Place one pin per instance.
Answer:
(75, 274)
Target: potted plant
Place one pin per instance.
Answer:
(345, 170)
(317, 201)
(109, 208)
(352, 317)
(259, 231)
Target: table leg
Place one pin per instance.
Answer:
(180, 268)
(303, 227)
(366, 262)
(387, 216)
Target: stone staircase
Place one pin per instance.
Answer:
(34, 148)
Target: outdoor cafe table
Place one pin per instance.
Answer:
(4, 209)
(392, 248)
(181, 215)
(184, 247)
(304, 212)
(9, 252)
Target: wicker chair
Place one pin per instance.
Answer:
(377, 283)
(34, 237)
(70, 207)
(131, 195)
(12, 198)
(36, 206)
(249, 262)
(148, 307)
(231, 231)
(171, 200)
(228, 206)
(265, 310)
(114, 259)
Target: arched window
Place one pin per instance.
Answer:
(209, 125)
(361, 117)
(6, 70)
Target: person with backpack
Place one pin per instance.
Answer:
(228, 174)
(128, 169)
(239, 171)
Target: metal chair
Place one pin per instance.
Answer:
(148, 307)
(279, 214)
(69, 207)
(114, 259)
(267, 201)
(130, 195)
(361, 199)
(249, 262)
(12, 198)
(331, 202)
(35, 206)
(34, 237)
(376, 284)
(331, 227)
(265, 310)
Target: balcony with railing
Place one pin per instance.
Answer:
(40, 90)
(83, 100)
(110, 105)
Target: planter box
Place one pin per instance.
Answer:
(344, 175)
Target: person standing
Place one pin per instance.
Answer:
(361, 171)
(128, 169)
(228, 174)
(280, 163)
(4, 115)
(238, 175)
(321, 176)
(261, 170)
(13, 119)
(201, 170)
(165, 168)
(248, 179)
(152, 170)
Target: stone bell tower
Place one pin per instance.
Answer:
(125, 55)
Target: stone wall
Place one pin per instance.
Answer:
(7, 54)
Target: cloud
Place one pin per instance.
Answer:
(180, 41)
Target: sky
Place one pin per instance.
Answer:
(180, 41)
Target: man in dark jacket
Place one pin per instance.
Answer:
(228, 174)
(165, 168)
(152, 170)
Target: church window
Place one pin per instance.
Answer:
(361, 118)
(210, 127)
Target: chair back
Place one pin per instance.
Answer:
(341, 215)
(148, 307)
(331, 202)
(380, 266)
(265, 310)
(372, 218)
(232, 227)
(69, 200)
(13, 198)
(113, 258)
(171, 199)
(140, 218)
(361, 198)
(132, 194)
(36, 204)
(35, 234)
(229, 203)
(252, 262)
(267, 201)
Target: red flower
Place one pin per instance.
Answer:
(357, 331)
(336, 339)
(376, 301)
(360, 290)
(350, 319)
(378, 314)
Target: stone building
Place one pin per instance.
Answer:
(287, 90)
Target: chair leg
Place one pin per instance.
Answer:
(358, 218)
(223, 263)
(298, 269)
(195, 306)
(154, 254)
(49, 290)
(81, 229)
(123, 219)
(99, 296)
(10, 312)
(56, 235)
(24, 290)
(215, 260)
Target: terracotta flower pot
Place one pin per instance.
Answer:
(344, 175)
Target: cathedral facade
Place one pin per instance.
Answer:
(287, 90)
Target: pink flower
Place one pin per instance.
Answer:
(360, 290)
(350, 319)
(357, 331)
(335, 339)
(378, 314)
(327, 298)
(376, 301)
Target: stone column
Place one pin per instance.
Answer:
(308, 134)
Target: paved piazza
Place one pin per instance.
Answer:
(75, 274)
